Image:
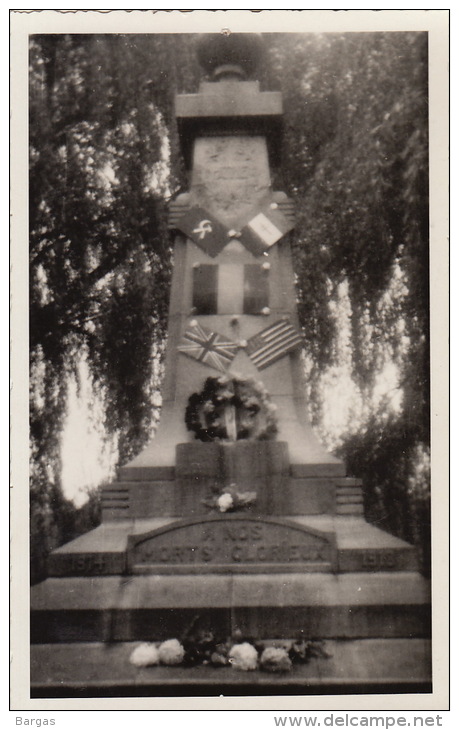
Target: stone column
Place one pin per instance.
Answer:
(232, 255)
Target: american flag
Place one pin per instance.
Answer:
(273, 343)
(208, 347)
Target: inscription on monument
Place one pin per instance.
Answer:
(230, 175)
(378, 560)
(236, 544)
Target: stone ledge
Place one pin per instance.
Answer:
(354, 667)
(128, 608)
(243, 102)
(315, 590)
(361, 547)
(330, 469)
(146, 473)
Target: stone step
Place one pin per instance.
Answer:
(349, 492)
(345, 482)
(350, 498)
(349, 508)
(115, 501)
(155, 607)
(375, 666)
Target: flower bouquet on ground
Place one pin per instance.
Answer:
(169, 653)
(242, 653)
(230, 499)
(275, 659)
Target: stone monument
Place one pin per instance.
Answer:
(234, 516)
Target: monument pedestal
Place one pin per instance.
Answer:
(302, 563)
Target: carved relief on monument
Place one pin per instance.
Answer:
(230, 176)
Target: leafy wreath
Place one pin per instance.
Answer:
(245, 399)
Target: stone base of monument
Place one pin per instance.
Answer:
(302, 561)
(365, 666)
(159, 607)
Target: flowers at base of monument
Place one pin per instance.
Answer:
(302, 651)
(224, 502)
(275, 659)
(231, 500)
(145, 655)
(243, 653)
(219, 657)
(204, 646)
(171, 652)
(243, 657)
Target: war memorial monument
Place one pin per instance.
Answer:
(235, 519)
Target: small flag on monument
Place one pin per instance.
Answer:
(267, 227)
(273, 343)
(205, 230)
(208, 347)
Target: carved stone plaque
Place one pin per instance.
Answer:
(234, 544)
(230, 176)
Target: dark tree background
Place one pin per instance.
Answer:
(104, 161)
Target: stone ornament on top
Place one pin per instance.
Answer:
(230, 55)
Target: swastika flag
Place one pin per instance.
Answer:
(208, 347)
(205, 230)
(273, 343)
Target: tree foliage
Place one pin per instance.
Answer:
(356, 161)
(100, 135)
(104, 161)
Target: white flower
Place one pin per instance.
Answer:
(145, 655)
(275, 659)
(244, 657)
(171, 652)
(224, 502)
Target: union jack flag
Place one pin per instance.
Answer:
(208, 347)
(273, 343)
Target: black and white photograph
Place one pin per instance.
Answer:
(229, 324)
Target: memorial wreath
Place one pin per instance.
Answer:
(231, 408)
